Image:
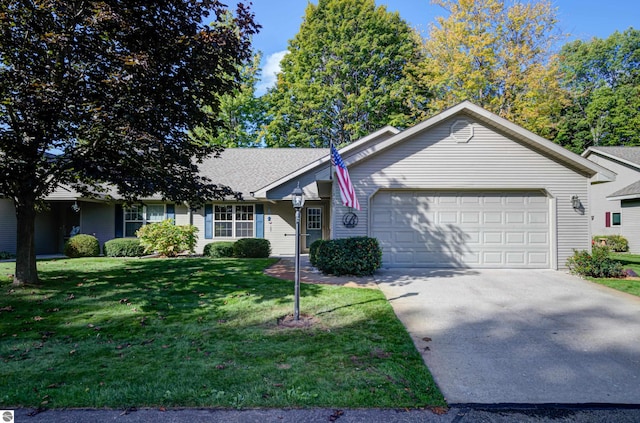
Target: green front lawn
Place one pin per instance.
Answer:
(199, 333)
(630, 286)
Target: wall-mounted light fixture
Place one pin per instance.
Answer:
(575, 202)
(75, 207)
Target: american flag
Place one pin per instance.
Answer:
(347, 193)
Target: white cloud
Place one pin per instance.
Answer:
(269, 71)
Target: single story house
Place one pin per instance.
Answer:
(464, 188)
(616, 205)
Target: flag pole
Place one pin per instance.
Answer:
(330, 160)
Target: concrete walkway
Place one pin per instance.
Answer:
(512, 336)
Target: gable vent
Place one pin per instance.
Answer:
(462, 130)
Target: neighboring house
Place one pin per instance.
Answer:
(616, 205)
(465, 188)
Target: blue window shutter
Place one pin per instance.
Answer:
(119, 221)
(208, 221)
(171, 212)
(259, 221)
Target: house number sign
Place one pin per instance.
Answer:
(350, 220)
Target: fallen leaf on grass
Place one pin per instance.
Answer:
(7, 308)
(147, 341)
(70, 297)
(37, 318)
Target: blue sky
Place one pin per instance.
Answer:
(582, 19)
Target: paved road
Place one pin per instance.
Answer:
(454, 415)
(514, 336)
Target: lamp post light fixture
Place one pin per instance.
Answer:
(297, 199)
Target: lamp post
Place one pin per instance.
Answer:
(297, 199)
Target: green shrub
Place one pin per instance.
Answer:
(616, 243)
(252, 248)
(358, 256)
(313, 251)
(123, 247)
(168, 239)
(6, 256)
(218, 249)
(82, 245)
(598, 264)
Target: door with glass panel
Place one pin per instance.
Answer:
(313, 225)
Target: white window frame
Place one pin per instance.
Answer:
(146, 219)
(239, 226)
(314, 218)
(613, 219)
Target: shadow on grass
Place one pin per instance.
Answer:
(200, 332)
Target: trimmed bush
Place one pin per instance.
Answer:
(252, 248)
(357, 256)
(616, 243)
(218, 249)
(313, 251)
(168, 239)
(598, 264)
(123, 247)
(82, 245)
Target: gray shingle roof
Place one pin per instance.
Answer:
(630, 154)
(248, 169)
(629, 190)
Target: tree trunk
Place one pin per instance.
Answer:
(26, 271)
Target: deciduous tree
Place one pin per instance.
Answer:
(343, 76)
(104, 91)
(497, 56)
(603, 79)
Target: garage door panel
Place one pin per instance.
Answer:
(538, 217)
(448, 217)
(492, 258)
(470, 217)
(515, 258)
(539, 258)
(539, 238)
(492, 217)
(452, 229)
(515, 238)
(492, 238)
(514, 217)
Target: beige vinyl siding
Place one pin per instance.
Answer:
(626, 175)
(182, 215)
(631, 224)
(282, 223)
(198, 222)
(278, 231)
(7, 226)
(489, 161)
(98, 219)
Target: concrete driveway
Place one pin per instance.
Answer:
(520, 336)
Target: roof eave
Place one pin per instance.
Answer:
(595, 150)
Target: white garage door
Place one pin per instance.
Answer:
(462, 229)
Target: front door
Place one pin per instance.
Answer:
(314, 225)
